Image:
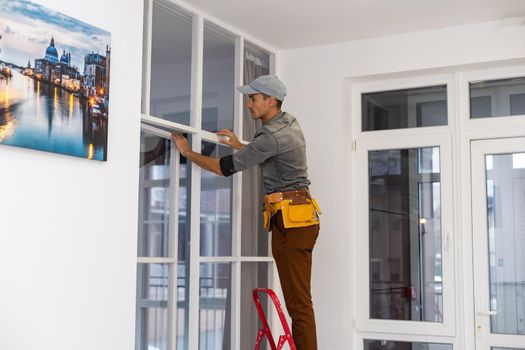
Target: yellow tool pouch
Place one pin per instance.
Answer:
(300, 214)
(266, 220)
(299, 211)
(269, 210)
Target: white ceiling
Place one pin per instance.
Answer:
(289, 24)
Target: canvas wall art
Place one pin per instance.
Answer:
(54, 81)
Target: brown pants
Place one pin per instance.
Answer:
(292, 251)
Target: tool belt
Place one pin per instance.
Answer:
(298, 209)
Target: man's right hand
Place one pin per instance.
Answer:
(181, 143)
(231, 139)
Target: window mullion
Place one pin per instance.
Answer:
(237, 179)
(197, 72)
(237, 203)
(238, 101)
(173, 247)
(196, 118)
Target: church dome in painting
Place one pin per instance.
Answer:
(51, 52)
(64, 58)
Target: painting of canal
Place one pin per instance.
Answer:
(54, 81)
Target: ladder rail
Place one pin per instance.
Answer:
(265, 331)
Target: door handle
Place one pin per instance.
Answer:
(488, 313)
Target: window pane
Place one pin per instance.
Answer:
(497, 98)
(253, 275)
(518, 160)
(170, 64)
(254, 238)
(506, 237)
(256, 63)
(154, 196)
(182, 315)
(409, 108)
(214, 306)
(402, 345)
(152, 306)
(216, 207)
(218, 79)
(405, 235)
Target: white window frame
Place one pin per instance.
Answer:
(364, 322)
(470, 130)
(359, 340)
(364, 141)
(154, 125)
(362, 87)
(475, 125)
(461, 130)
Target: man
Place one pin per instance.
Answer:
(290, 212)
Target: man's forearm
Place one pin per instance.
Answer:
(209, 163)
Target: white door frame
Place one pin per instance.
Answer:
(479, 148)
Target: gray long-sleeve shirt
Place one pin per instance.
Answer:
(280, 150)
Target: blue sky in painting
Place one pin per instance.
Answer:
(27, 29)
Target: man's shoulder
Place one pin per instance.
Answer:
(264, 134)
(285, 121)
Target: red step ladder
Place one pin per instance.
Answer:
(265, 331)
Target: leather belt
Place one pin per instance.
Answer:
(296, 196)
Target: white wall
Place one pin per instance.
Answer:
(68, 225)
(319, 97)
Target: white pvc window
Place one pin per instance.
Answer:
(404, 228)
(497, 98)
(404, 212)
(200, 252)
(443, 298)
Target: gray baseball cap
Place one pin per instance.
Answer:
(265, 84)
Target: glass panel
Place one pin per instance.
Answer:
(154, 196)
(218, 79)
(254, 238)
(170, 64)
(256, 63)
(216, 207)
(253, 275)
(152, 307)
(154, 219)
(518, 160)
(409, 108)
(497, 98)
(406, 280)
(506, 237)
(403, 345)
(215, 306)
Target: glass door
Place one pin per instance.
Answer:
(498, 220)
